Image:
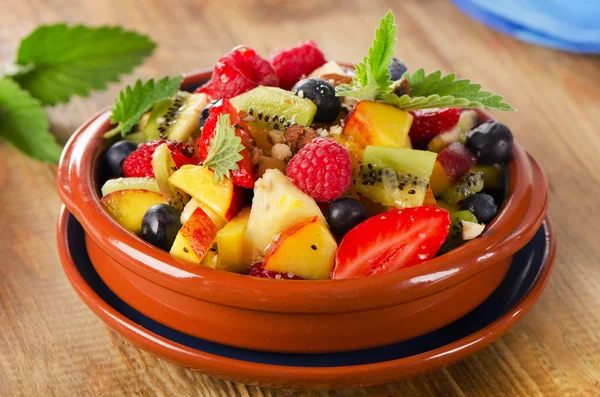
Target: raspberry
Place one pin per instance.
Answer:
(237, 72)
(139, 162)
(322, 169)
(293, 63)
(258, 271)
(428, 123)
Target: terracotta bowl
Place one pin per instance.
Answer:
(296, 316)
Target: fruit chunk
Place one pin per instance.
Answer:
(429, 198)
(321, 169)
(443, 140)
(114, 185)
(456, 228)
(128, 207)
(391, 241)
(238, 71)
(493, 175)
(277, 205)
(258, 271)
(395, 177)
(450, 165)
(469, 184)
(431, 122)
(176, 118)
(222, 197)
(293, 63)
(162, 167)
(139, 162)
(235, 253)
(191, 206)
(275, 109)
(331, 67)
(306, 249)
(195, 238)
(377, 124)
(322, 93)
(471, 230)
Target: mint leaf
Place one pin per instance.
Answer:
(372, 74)
(62, 61)
(434, 91)
(224, 150)
(132, 103)
(24, 124)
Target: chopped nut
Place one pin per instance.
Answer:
(297, 136)
(256, 154)
(337, 79)
(401, 87)
(275, 136)
(281, 151)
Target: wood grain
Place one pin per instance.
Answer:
(52, 345)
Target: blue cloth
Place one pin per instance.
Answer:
(569, 25)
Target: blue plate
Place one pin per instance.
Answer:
(527, 265)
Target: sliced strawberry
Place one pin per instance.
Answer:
(428, 123)
(239, 71)
(293, 63)
(258, 271)
(392, 241)
(139, 162)
(245, 176)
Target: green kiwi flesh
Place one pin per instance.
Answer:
(457, 217)
(396, 177)
(175, 118)
(163, 166)
(272, 108)
(469, 184)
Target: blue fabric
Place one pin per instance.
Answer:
(569, 25)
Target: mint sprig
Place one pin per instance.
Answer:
(133, 102)
(58, 61)
(224, 149)
(373, 82)
(372, 74)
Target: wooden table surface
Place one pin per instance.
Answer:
(52, 345)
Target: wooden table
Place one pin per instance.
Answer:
(52, 345)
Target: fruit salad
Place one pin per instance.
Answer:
(295, 167)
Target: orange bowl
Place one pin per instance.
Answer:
(296, 316)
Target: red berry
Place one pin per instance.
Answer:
(294, 63)
(239, 71)
(139, 162)
(428, 123)
(321, 169)
(245, 175)
(456, 160)
(258, 271)
(391, 241)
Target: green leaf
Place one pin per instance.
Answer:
(24, 123)
(374, 68)
(224, 150)
(65, 61)
(433, 91)
(367, 93)
(132, 103)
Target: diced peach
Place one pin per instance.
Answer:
(235, 251)
(128, 207)
(195, 238)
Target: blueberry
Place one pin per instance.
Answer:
(322, 94)
(343, 214)
(206, 112)
(160, 225)
(491, 142)
(116, 154)
(482, 206)
(397, 69)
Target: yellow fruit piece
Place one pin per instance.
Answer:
(429, 198)
(181, 249)
(307, 249)
(448, 207)
(128, 207)
(196, 236)
(211, 259)
(191, 206)
(277, 205)
(493, 175)
(439, 180)
(235, 252)
(198, 182)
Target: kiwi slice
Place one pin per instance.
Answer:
(456, 228)
(275, 109)
(397, 177)
(163, 166)
(114, 185)
(493, 175)
(469, 184)
(175, 118)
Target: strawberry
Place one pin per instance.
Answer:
(391, 241)
(293, 63)
(428, 123)
(139, 162)
(245, 176)
(238, 71)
